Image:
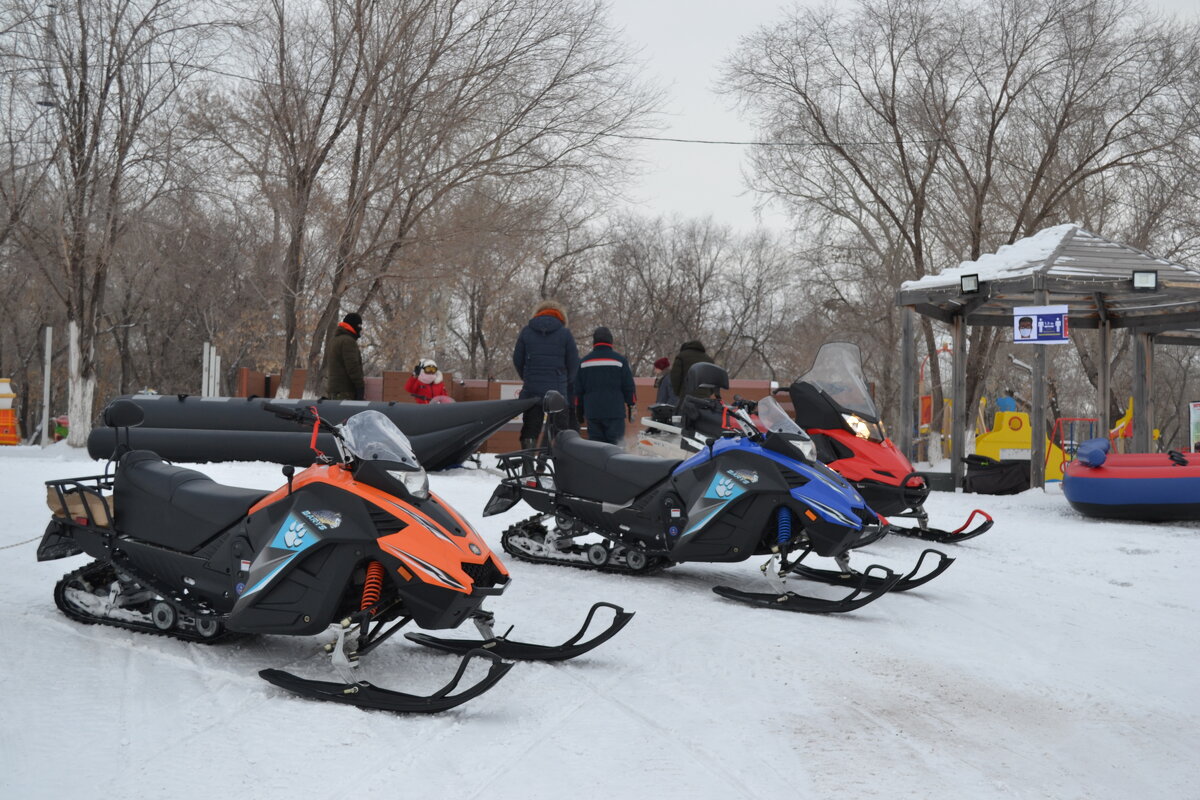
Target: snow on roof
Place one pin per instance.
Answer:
(1022, 257)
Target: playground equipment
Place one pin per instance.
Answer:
(1010, 440)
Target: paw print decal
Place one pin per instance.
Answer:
(294, 536)
(724, 487)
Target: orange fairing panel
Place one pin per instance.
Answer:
(427, 550)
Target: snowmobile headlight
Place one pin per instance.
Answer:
(414, 480)
(859, 425)
(806, 448)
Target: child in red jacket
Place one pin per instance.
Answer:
(426, 382)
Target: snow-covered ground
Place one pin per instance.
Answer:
(1055, 659)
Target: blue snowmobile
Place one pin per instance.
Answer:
(743, 495)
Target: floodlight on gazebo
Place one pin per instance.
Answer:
(969, 284)
(1145, 280)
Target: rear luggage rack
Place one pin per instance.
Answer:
(82, 501)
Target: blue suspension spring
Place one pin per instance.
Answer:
(783, 526)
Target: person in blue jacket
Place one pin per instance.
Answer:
(546, 359)
(606, 390)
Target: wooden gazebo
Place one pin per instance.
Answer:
(1064, 265)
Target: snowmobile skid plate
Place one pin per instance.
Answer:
(366, 695)
(503, 647)
(959, 534)
(870, 588)
(909, 581)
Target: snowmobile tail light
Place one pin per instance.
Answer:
(858, 425)
(415, 481)
(547, 483)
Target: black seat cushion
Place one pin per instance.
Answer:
(173, 506)
(604, 472)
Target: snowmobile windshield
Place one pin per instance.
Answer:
(776, 420)
(837, 371)
(772, 415)
(371, 436)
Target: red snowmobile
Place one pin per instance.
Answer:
(358, 545)
(833, 403)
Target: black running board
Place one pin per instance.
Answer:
(909, 581)
(959, 534)
(523, 651)
(790, 601)
(366, 695)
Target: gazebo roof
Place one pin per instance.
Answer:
(1077, 268)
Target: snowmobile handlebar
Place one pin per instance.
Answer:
(301, 415)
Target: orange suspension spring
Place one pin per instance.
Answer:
(373, 586)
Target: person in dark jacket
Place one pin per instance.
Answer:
(546, 359)
(662, 384)
(689, 353)
(344, 370)
(605, 387)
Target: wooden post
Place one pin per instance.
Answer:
(1037, 413)
(1143, 376)
(1103, 377)
(908, 366)
(958, 407)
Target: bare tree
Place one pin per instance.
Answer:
(912, 134)
(107, 69)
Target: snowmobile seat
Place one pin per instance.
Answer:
(173, 506)
(604, 472)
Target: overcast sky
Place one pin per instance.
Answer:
(683, 45)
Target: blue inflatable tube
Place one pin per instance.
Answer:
(1153, 487)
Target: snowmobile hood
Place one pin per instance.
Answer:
(826, 492)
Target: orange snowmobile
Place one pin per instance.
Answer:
(356, 544)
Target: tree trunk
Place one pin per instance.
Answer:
(81, 386)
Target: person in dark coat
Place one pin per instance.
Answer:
(689, 353)
(546, 359)
(662, 384)
(344, 370)
(606, 390)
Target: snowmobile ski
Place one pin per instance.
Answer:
(959, 534)
(868, 590)
(908, 581)
(362, 694)
(504, 647)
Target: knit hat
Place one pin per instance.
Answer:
(354, 321)
(662, 363)
(602, 335)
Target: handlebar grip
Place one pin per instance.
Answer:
(284, 412)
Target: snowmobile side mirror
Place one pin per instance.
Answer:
(123, 414)
(288, 472)
(553, 402)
